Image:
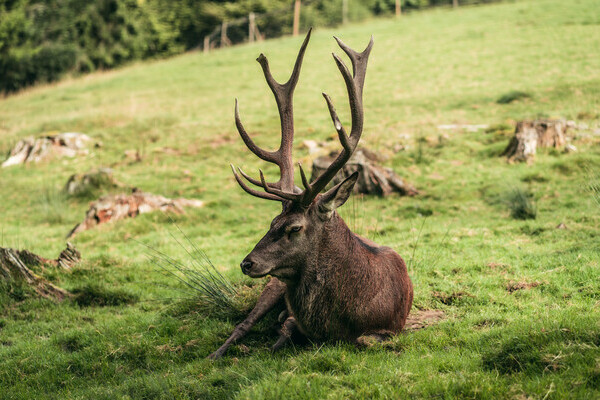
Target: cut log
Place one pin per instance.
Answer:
(120, 206)
(101, 178)
(14, 268)
(529, 135)
(29, 149)
(373, 179)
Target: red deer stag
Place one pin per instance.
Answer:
(336, 285)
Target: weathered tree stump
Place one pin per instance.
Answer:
(101, 178)
(14, 268)
(120, 206)
(529, 135)
(45, 147)
(373, 179)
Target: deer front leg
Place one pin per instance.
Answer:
(270, 296)
(285, 334)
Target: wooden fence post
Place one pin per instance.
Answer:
(454, 3)
(224, 39)
(296, 27)
(398, 8)
(344, 12)
(206, 48)
(251, 27)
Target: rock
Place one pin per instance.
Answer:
(569, 148)
(27, 150)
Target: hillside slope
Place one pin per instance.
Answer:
(465, 252)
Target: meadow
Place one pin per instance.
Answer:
(521, 297)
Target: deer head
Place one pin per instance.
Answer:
(296, 235)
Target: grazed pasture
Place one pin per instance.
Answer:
(521, 297)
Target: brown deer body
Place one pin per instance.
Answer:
(335, 284)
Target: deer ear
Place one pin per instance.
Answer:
(337, 195)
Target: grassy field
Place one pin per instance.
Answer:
(467, 255)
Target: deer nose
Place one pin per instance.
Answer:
(246, 266)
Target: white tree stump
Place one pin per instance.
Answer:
(45, 147)
(529, 135)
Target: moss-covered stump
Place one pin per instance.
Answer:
(90, 182)
(14, 268)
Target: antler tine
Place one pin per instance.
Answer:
(250, 179)
(261, 153)
(251, 191)
(354, 85)
(303, 176)
(277, 192)
(284, 98)
(359, 69)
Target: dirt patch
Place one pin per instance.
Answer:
(449, 299)
(420, 319)
(513, 286)
(221, 140)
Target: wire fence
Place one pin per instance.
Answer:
(246, 29)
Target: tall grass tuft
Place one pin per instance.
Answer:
(54, 205)
(593, 184)
(511, 96)
(198, 277)
(521, 204)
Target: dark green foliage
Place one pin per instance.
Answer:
(511, 96)
(99, 296)
(42, 40)
(521, 205)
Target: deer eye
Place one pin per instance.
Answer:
(295, 229)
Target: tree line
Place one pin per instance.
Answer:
(40, 40)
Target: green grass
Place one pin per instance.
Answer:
(465, 249)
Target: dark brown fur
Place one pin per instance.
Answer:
(347, 289)
(336, 285)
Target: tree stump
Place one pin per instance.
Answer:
(120, 206)
(529, 135)
(101, 178)
(14, 268)
(29, 149)
(372, 179)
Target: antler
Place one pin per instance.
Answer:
(354, 84)
(284, 189)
